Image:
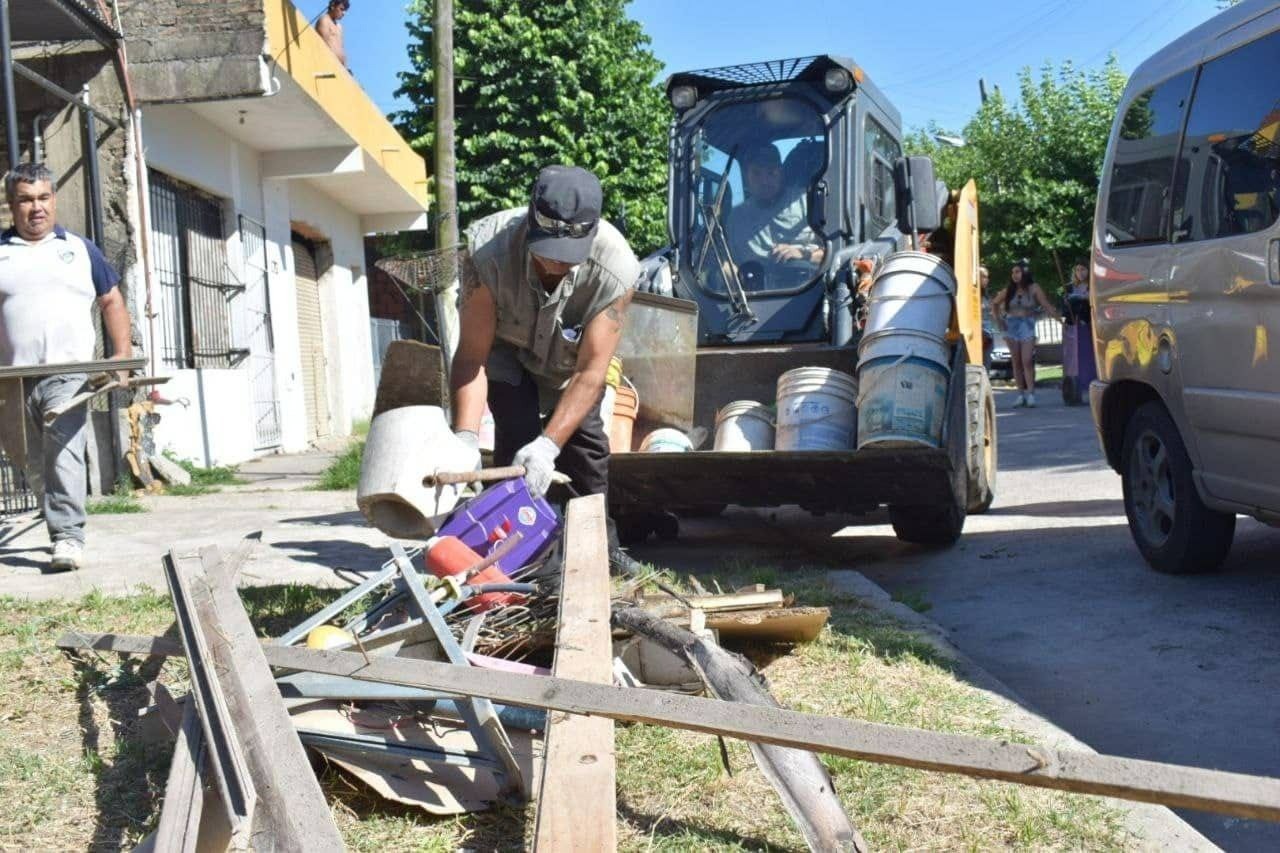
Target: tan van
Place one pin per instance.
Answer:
(1186, 290)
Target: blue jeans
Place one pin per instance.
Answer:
(55, 459)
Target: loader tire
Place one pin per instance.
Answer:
(980, 405)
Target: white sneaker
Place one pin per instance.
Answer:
(1031, 401)
(1022, 401)
(68, 555)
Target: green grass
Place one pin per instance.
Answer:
(219, 475)
(915, 599)
(121, 501)
(71, 751)
(1048, 373)
(344, 472)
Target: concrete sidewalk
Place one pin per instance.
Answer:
(303, 537)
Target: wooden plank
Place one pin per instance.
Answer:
(741, 600)
(577, 804)
(179, 827)
(101, 365)
(224, 755)
(1038, 766)
(291, 810)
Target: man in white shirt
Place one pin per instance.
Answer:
(49, 281)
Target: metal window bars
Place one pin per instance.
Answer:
(15, 496)
(199, 290)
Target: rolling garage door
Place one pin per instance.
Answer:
(315, 381)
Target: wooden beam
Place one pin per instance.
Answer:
(577, 802)
(184, 794)
(291, 813)
(1038, 766)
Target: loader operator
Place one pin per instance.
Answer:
(772, 223)
(544, 296)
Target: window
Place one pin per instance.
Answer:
(1142, 172)
(1229, 173)
(882, 151)
(754, 169)
(197, 288)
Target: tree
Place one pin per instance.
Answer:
(1037, 163)
(538, 83)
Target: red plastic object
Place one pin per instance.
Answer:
(446, 556)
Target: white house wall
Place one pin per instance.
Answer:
(182, 144)
(344, 295)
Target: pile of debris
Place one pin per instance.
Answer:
(419, 683)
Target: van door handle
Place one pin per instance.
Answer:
(1273, 261)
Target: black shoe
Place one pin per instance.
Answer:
(622, 563)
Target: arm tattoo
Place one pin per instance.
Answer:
(470, 279)
(617, 310)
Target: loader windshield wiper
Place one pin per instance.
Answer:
(716, 241)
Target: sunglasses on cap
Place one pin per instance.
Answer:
(561, 229)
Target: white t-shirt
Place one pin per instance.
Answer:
(47, 291)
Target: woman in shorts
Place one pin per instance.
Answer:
(1015, 311)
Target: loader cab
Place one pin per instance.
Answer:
(776, 170)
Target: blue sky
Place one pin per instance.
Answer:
(928, 64)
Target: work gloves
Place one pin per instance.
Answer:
(538, 458)
(470, 441)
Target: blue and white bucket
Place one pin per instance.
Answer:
(903, 402)
(816, 409)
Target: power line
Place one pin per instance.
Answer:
(1029, 24)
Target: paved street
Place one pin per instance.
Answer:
(1049, 594)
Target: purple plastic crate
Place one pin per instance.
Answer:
(496, 513)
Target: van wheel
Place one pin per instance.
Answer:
(1174, 530)
(981, 408)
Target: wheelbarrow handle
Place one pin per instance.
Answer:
(484, 475)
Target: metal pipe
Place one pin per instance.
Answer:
(91, 172)
(57, 91)
(366, 744)
(7, 66)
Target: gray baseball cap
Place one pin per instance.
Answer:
(564, 213)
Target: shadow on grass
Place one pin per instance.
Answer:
(663, 828)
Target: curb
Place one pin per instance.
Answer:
(1156, 827)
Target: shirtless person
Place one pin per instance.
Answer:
(330, 30)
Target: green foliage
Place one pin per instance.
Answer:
(121, 501)
(1037, 163)
(344, 472)
(540, 83)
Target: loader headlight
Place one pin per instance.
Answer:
(684, 97)
(837, 80)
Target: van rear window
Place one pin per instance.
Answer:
(1228, 179)
(1142, 170)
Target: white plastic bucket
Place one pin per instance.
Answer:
(666, 440)
(816, 409)
(913, 291)
(902, 402)
(743, 426)
(904, 342)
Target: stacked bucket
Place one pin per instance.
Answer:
(904, 363)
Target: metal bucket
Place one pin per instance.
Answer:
(744, 426)
(902, 403)
(816, 409)
(913, 291)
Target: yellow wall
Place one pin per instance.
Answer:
(301, 52)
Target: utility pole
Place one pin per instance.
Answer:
(446, 195)
(982, 89)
